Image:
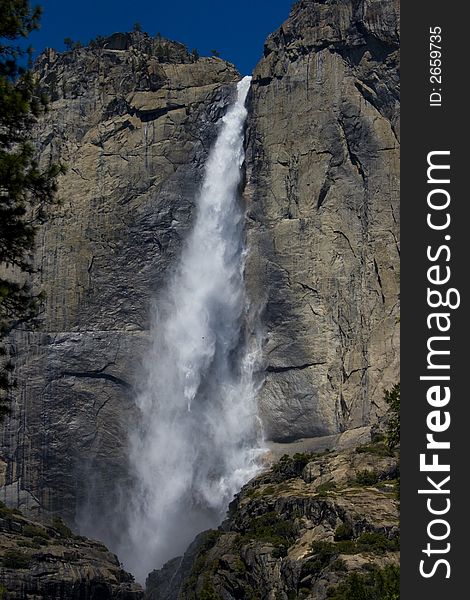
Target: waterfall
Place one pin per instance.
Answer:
(197, 440)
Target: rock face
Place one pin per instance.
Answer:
(50, 563)
(133, 118)
(304, 529)
(322, 192)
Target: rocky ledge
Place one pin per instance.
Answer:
(39, 562)
(312, 527)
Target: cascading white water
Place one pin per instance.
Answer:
(198, 437)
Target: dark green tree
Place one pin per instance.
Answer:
(137, 26)
(71, 45)
(25, 188)
(215, 53)
(195, 54)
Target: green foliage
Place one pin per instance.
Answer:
(273, 529)
(367, 477)
(18, 20)
(292, 466)
(324, 488)
(377, 543)
(378, 584)
(215, 53)
(202, 567)
(97, 42)
(71, 45)
(61, 528)
(343, 532)
(380, 449)
(208, 592)
(33, 531)
(279, 551)
(3, 591)
(323, 552)
(258, 492)
(24, 187)
(339, 565)
(16, 559)
(137, 27)
(392, 398)
(195, 54)
(25, 544)
(8, 513)
(366, 543)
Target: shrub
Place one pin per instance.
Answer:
(378, 543)
(375, 543)
(39, 541)
(343, 532)
(16, 559)
(71, 44)
(292, 466)
(324, 488)
(201, 566)
(378, 584)
(367, 477)
(7, 512)
(323, 553)
(378, 448)
(33, 531)
(208, 592)
(271, 528)
(279, 551)
(339, 565)
(61, 528)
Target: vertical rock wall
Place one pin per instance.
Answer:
(323, 200)
(133, 118)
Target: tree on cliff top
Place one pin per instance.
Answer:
(24, 187)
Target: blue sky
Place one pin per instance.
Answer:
(236, 29)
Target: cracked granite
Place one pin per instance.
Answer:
(134, 119)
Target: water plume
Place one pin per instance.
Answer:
(197, 439)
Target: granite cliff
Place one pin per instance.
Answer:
(322, 198)
(133, 118)
(313, 527)
(52, 563)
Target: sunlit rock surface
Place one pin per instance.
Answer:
(298, 530)
(323, 209)
(51, 563)
(134, 119)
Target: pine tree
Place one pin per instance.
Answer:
(24, 188)
(71, 45)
